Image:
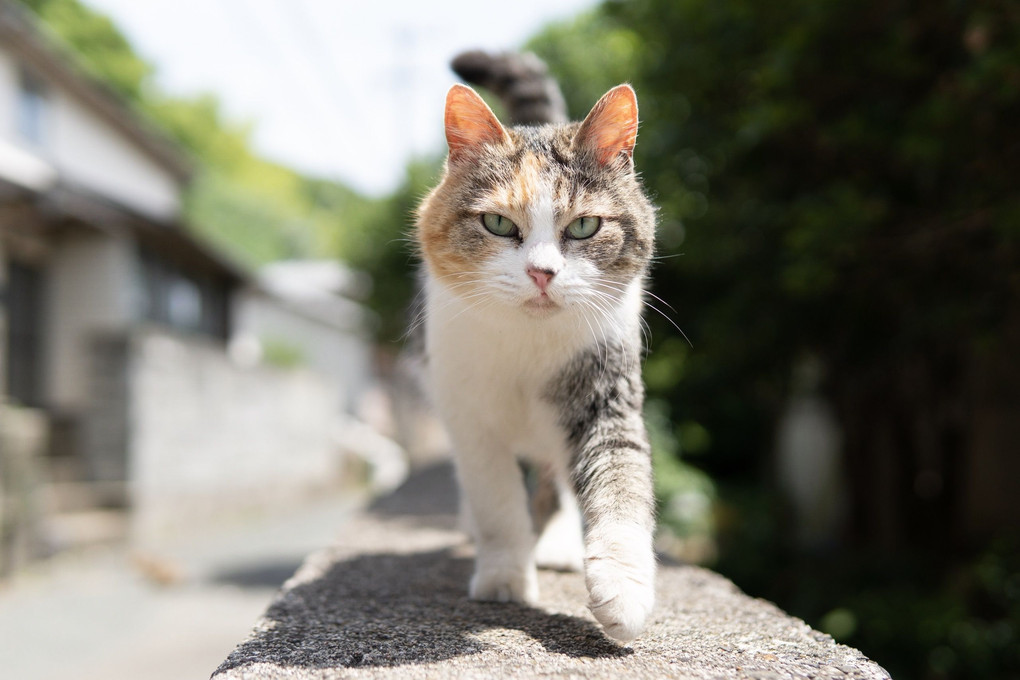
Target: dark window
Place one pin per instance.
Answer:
(216, 309)
(24, 334)
(180, 298)
(32, 107)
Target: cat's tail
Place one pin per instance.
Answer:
(522, 81)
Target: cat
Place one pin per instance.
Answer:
(535, 245)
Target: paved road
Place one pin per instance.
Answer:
(388, 601)
(104, 615)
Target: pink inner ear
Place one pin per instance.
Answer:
(470, 123)
(611, 127)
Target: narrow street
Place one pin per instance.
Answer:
(113, 614)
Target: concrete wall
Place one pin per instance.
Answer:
(8, 92)
(22, 443)
(338, 351)
(208, 437)
(91, 287)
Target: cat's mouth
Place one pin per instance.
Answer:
(541, 304)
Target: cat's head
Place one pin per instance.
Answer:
(540, 219)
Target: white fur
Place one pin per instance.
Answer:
(541, 248)
(561, 545)
(620, 575)
(541, 210)
(490, 361)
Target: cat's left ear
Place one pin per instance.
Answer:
(610, 130)
(470, 123)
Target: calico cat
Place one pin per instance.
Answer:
(536, 244)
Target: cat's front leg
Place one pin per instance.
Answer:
(614, 482)
(497, 501)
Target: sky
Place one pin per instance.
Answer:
(339, 89)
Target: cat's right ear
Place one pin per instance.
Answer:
(470, 123)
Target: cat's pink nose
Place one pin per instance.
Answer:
(541, 277)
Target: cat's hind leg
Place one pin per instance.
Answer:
(557, 522)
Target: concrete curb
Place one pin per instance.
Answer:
(389, 600)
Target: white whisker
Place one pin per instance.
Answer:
(615, 286)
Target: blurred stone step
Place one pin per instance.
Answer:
(86, 528)
(73, 496)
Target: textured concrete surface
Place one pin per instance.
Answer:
(389, 600)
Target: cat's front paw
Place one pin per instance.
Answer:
(504, 583)
(620, 575)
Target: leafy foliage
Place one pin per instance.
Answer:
(835, 180)
(101, 48)
(384, 246)
(585, 71)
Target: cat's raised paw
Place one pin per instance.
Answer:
(504, 585)
(621, 590)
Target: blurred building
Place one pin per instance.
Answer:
(115, 324)
(306, 312)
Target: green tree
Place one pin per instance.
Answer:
(252, 208)
(836, 180)
(588, 55)
(97, 43)
(385, 246)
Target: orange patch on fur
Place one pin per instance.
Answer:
(442, 237)
(512, 199)
(528, 180)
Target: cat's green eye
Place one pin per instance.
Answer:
(583, 227)
(498, 225)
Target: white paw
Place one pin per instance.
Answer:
(504, 583)
(621, 585)
(561, 546)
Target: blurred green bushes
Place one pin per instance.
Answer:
(836, 180)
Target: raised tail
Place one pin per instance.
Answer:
(522, 81)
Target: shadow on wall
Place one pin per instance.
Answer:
(391, 610)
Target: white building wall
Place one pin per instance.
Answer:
(90, 289)
(8, 92)
(90, 153)
(19, 164)
(85, 150)
(339, 352)
(209, 437)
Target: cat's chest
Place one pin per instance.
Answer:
(494, 377)
(510, 370)
(503, 400)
